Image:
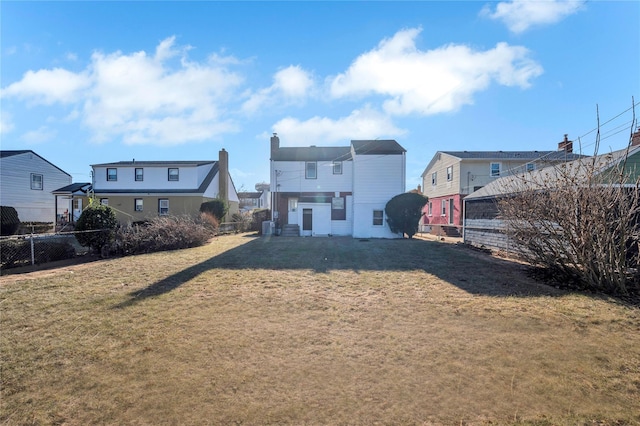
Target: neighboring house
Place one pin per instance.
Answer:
(320, 191)
(73, 199)
(252, 200)
(26, 183)
(482, 225)
(140, 190)
(452, 175)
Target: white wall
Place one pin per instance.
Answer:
(291, 177)
(190, 177)
(15, 187)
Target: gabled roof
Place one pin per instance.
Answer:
(377, 147)
(578, 168)
(10, 153)
(526, 156)
(313, 153)
(248, 195)
(153, 163)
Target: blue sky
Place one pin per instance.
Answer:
(92, 82)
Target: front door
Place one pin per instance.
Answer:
(451, 210)
(77, 208)
(292, 211)
(307, 221)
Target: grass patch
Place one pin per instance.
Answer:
(252, 330)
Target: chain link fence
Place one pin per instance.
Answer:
(36, 249)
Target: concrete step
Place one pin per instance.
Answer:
(290, 231)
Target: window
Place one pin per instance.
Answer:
(430, 208)
(36, 181)
(444, 208)
(77, 203)
(163, 206)
(112, 175)
(139, 174)
(337, 167)
(495, 169)
(338, 212)
(138, 204)
(174, 174)
(449, 173)
(104, 201)
(310, 170)
(378, 217)
(434, 178)
(531, 167)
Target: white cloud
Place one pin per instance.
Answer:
(42, 135)
(6, 123)
(140, 98)
(49, 86)
(360, 124)
(291, 85)
(520, 15)
(434, 81)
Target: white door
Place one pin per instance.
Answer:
(77, 208)
(292, 211)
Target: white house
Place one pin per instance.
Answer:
(140, 190)
(320, 191)
(26, 184)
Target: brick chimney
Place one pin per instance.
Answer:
(223, 175)
(275, 144)
(635, 138)
(566, 145)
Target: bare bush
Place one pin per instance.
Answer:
(579, 220)
(163, 233)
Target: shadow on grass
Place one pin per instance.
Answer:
(473, 272)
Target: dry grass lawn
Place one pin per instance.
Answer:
(323, 331)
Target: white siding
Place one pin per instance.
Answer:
(15, 190)
(291, 177)
(155, 177)
(344, 227)
(376, 179)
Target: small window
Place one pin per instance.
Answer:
(434, 178)
(378, 217)
(77, 205)
(174, 174)
(337, 167)
(449, 173)
(138, 204)
(163, 206)
(112, 175)
(430, 208)
(36, 181)
(311, 168)
(495, 169)
(444, 208)
(531, 167)
(139, 174)
(338, 212)
(104, 201)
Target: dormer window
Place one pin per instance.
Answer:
(174, 174)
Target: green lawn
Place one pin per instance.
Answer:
(319, 331)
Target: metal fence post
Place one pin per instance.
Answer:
(33, 256)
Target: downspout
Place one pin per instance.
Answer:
(464, 220)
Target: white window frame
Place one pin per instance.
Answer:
(141, 174)
(434, 178)
(491, 171)
(37, 184)
(377, 218)
(449, 173)
(307, 170)
(175, 177)
(337, 167)
(430, 209)
(530, 167)
(163, 210)
(104, 201)
(444, 208)
(111, 178)
(138, 207)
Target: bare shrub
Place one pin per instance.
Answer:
(579, 220)
(163, 233)
(210, 221)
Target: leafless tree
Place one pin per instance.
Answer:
(579, 220)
